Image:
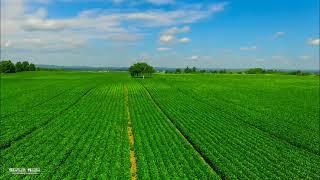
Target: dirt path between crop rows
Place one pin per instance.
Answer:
(203, 157)
(133, 160)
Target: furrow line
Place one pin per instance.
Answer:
(206, 160)
(39, 104)
(272, 135)
(27, 133)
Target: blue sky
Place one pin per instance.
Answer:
(282, 34)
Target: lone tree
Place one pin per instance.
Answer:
(255, 71)
(141, 69)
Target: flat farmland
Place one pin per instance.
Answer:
(86, 125)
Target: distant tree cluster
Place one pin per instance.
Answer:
(7, 66)
(186, 70)
(141, 69)
(248, 71)
(255, 71)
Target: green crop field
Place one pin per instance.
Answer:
(103, 125)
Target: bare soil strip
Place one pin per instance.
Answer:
(133, 160)
(203, 157)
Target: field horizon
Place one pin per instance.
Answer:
(159, 89)
(106, 125)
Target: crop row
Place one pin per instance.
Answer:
(89, 140)
(20, 124)
(238, 149)
(25, 101)
(271, 109)
(13, 88)
(161, 151)
(21, 92)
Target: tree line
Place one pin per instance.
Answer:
(7, 66)
(188, 70)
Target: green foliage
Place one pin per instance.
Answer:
(7, 67)
(141, 69)
(241, 122)
(25, 66)
(255, 71)
(156, 139)
(74, 125)
(178, 71)
(19, 67)
(187, 70)
(32, 67)
(64, 124)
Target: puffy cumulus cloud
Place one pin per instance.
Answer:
(314, 42)
(184, 40)
(170, 34)
(167, 38)
(161, 49)
(248, 48)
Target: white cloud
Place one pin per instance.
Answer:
(194, 58)
(184, 40)
(34, 24)
(248, 48)
(218, 7)
(25, 27)
(170, 34)
(153, 2)
(163, 49)
(176, 30)
(304, 57)
(277, 57)
(160, 2)
(279, 34)
(167, 38)
(314, 42)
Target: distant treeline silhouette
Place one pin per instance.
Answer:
(194, 70)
